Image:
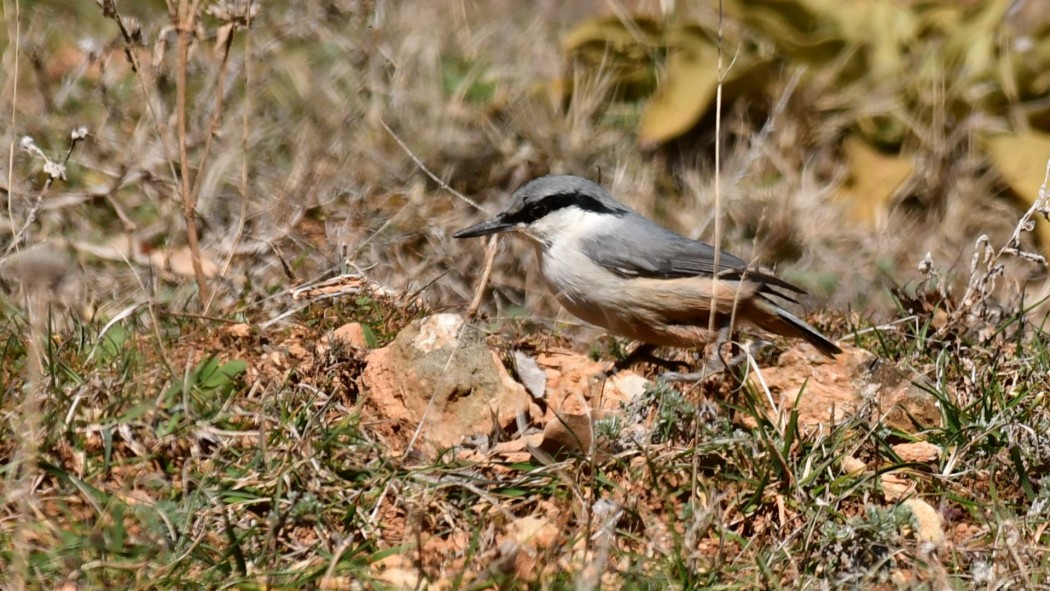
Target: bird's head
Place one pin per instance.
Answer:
(551, 207)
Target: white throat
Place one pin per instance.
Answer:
(566, 227)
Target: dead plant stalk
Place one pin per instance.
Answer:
(187, 19)
(216, 121)
(982, 281)
(22, 470)
(694, 532)
(17, 37)
(246, 115)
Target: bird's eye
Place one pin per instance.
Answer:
(543, 208)
(530, 212)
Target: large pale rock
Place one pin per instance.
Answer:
(437, 363)
(576, 384)
(578, 394)
(902, 404)
(828, 392)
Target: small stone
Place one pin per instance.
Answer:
(353, 334)
(532, 377)
(851, 466)
(533, 531)
(928, 522)
(238, 331)
(568, 432)
(441, 380)
(297, 351)
(622, 388)
(894, 487)
(919, 451)
(439, 331)
(827, 392)
(899, 577)
(521, 444)
(400, 579)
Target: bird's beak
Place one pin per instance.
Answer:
(493, 226)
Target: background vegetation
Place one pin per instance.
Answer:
(173, 169)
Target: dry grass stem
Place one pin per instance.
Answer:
(186, 25)
(486, 274)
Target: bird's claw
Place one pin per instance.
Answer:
(717, 364)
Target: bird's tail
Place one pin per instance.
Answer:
(777, 320)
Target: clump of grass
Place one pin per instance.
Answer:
(40, 273)
(672, 413)
(862, 549)
(609, 428)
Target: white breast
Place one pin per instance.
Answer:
(585, 289)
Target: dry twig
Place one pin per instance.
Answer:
(187, 18)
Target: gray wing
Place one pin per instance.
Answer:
(660, 253)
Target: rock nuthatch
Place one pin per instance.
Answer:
(611, 267)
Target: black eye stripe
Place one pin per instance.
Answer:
(538, 208)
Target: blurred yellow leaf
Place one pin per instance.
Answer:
(625, 50)
(886, 30)
(874, 180)
(1021, 161)
(940, 19)
(800, 29)
(613, 33)
(972, 48)
(686, 90)
(883, 59)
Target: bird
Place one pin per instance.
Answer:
(611, 267)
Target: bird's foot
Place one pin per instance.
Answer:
(712, 368)
(717, 364)
(641, 354)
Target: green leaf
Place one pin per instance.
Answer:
(135, 412)
(209, 376)
(464, 79)
(215, 377)
(370, 336)
(111, 343)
